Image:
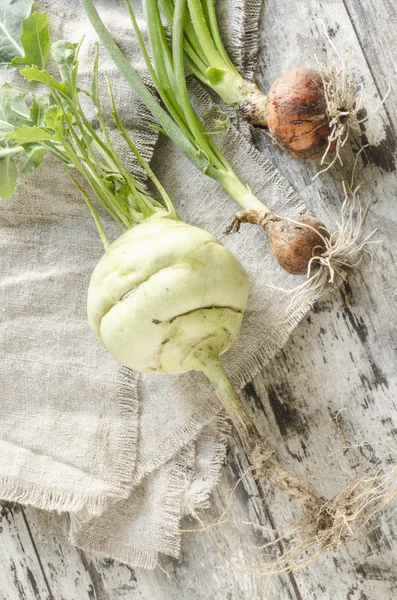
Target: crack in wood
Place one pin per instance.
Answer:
(50, 595)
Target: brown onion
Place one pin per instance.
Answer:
(294, 241)
(297, 117)
(295, 114)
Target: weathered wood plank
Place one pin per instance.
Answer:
(72, 575)
(374, 23)
(21, 575)
(343, 355)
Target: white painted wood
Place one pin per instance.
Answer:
(341, 358)
(21, 576)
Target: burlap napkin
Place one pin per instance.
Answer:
(78, 433)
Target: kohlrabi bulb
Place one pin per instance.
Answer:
(162, 291)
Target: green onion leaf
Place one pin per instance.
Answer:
(214, 75)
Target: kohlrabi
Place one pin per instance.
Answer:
(166, 296)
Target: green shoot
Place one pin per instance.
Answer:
(205, 54)
(55, 123)
(178, 119)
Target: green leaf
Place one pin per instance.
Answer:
(35, 40)
(12, 13)
(53, 118)
(8, 177)
(40, 104)
(64, 54)
(35, 74)
(13, 109)
(26, 134)
(214, 75)
(31, 158)
(4, 129)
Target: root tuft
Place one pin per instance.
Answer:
(329, 524)
(344, 103)
(343, 107)
(343, 249)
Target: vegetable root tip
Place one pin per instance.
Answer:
(255, 217)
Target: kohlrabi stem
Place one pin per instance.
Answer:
(138, 156)
(178, 118)
(4, 152)
(265, 465)
(94, 213)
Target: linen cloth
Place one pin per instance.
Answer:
(79, 434)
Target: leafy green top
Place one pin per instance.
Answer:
(32, 124)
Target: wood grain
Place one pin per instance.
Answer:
(340, 361)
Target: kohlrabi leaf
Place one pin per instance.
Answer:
(53, 118)
(31, 158)
(64, 54)
(40, 104)
(35, 74)
(12, 13)
(13, 109)
(26, 134)
(94, 80)
(4, 129)
(35, 40)
(8, 177)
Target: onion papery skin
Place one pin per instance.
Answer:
(296, 114)
(162, 290)
(296, 241)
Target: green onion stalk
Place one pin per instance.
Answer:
(294, 241)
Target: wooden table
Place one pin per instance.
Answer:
(333, 386)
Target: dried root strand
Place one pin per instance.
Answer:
(343, 104)
(324, 525)
(338, 520)
(343, 107)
